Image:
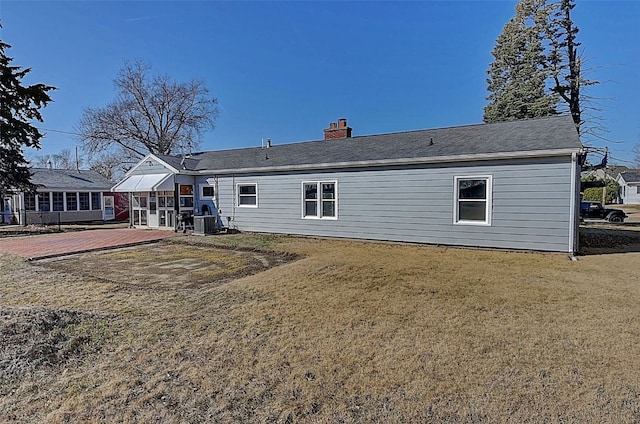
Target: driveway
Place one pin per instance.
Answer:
(59, 244)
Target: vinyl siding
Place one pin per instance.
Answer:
(630, 194)
(531, 204)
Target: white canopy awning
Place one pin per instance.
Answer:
(147, 182)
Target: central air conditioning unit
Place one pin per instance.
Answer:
(203, 225)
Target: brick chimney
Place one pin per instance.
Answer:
(337, 130)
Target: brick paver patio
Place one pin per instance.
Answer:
(50, 245)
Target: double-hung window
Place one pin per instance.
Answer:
(247, 195)
(473, 200)
(319, 199)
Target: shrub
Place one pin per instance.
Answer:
(595, 193)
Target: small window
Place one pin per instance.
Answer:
(206, 191)
(186, 202)
(248, 195)
(473, 200)
(29, 202)
(638, 190)
(96, 203)
(319, 199)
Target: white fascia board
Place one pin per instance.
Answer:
(408, 161)
(155, 158)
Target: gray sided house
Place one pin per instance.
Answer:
(629, 186)
(63, 196)
(511, 185)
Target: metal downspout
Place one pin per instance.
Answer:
(573, 208)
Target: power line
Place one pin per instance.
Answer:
(59, 131)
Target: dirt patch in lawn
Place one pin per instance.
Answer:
(169, 266)
(36, 338)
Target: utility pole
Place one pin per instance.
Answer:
(604, 189)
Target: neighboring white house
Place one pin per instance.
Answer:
(629, 186)
(512, 185)
(63, 196)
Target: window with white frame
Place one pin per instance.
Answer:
(206, 191)
(319, 199)
(96, 202)
(72, 201)
(473, 200)
(58, 201)
(29, 202)
(186, 196)
(44, 202)
(247, 195)
(83, 201)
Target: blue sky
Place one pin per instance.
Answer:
(284, 70)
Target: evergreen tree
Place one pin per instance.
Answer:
(19, 106)
(518, 75)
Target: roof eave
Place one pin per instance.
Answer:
(392, 162)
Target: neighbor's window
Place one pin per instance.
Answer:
(473, 200)
(29, 202)
(96, 203)
(84, 201)
(72, 201)
(638, 190)
(58, 201)
(319, 199)
(43, 202)
(248, 195)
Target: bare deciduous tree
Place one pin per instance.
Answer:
(151, 114)
(636, 157)
(63, 160)
(109, 165)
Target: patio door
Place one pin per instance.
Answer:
(139, 209)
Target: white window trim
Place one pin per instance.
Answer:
(489, 200)
(319, 200)
(201, 191)
(238, 195)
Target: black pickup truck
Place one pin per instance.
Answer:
(595, 210)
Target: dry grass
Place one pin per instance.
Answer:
(352, 332)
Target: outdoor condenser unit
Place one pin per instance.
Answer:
(203, 225)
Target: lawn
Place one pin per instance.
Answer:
(345, 332)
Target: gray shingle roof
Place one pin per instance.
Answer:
(64, 179)
(631, 176)
(543, 134)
